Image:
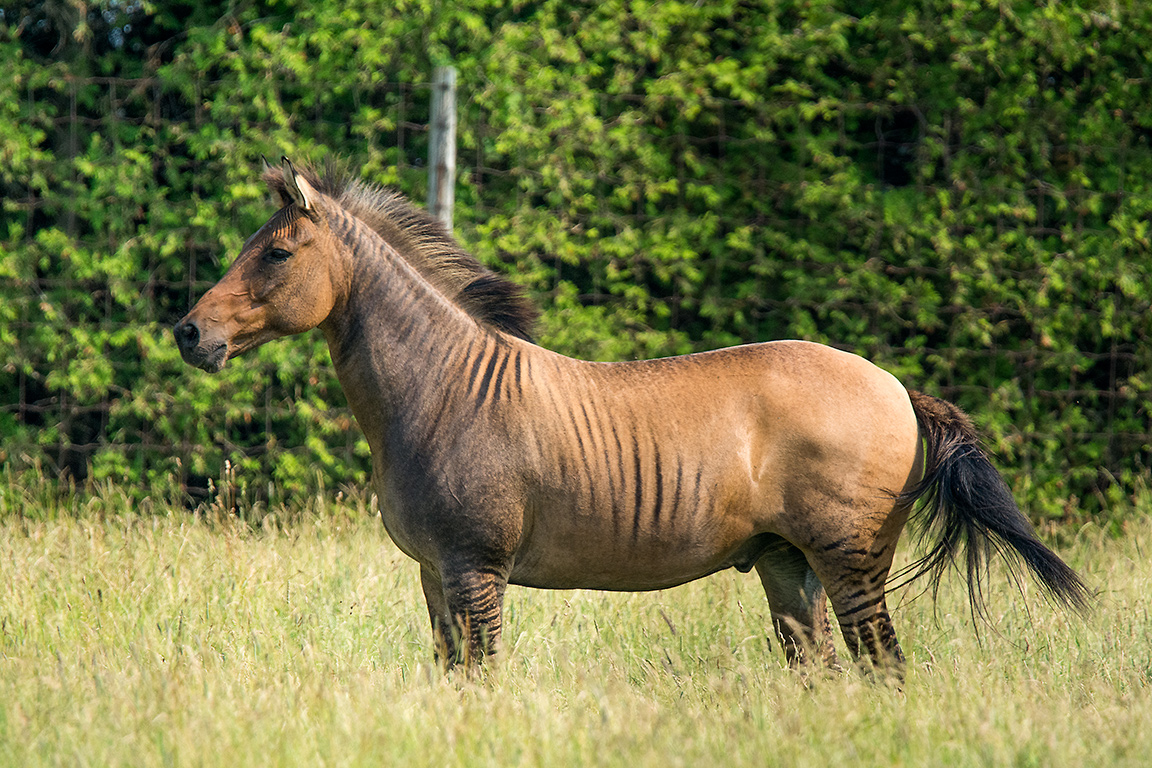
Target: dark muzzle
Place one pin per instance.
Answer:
(210, 357)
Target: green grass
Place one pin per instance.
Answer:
(164, 639)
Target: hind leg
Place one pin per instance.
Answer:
(852, 556)
(870, 636)
(799, 608)
(855, 579)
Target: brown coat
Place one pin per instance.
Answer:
(497, 461)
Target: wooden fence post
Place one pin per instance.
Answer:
(442, 146)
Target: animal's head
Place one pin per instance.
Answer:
(285, 280)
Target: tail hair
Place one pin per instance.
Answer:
(965, 504)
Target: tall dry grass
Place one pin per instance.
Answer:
(169, 639)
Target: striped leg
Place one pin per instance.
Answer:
(444, 638)
(799, 608)
(852, 559)
(856, 588)
(465, 609)
(871, 632)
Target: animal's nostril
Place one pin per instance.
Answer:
(187, 335)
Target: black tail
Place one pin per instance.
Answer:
(967, 504)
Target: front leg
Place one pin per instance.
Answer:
(443, 638)
(465, 607)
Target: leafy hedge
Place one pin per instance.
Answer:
(958, 190)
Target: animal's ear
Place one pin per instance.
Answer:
(300, 192)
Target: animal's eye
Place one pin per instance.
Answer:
(276, 256)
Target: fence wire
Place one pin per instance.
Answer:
(65, 427)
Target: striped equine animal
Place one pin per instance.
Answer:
(499, 462)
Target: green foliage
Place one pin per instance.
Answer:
(959, 191)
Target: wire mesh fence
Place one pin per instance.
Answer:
(979, 271)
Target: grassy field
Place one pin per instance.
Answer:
(157, 637)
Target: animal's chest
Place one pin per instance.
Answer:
(451, 514)
(411, 511)
(398, 515)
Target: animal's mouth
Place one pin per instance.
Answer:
(214, 359)
(211, 359)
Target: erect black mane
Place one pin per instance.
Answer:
(424, 242)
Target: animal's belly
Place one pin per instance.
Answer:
(601, 559)
(600, 574)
